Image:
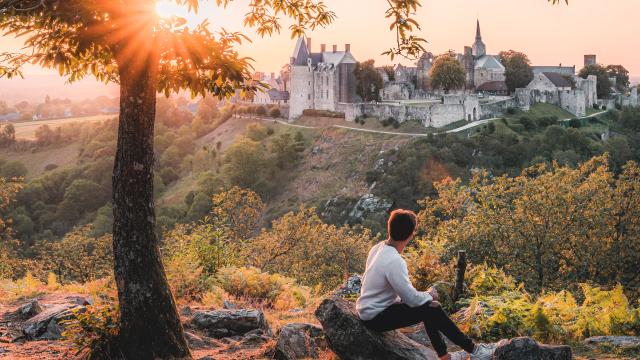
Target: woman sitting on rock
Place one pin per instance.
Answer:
(388, 300)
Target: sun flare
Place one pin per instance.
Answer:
(167, 9)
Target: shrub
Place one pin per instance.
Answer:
(388, 121)
(315, 253)
(489, 281)
(275, 113)
(78, 257)
(575, 123)
(214, 297)
(396, 124)
(323, 113)
(169, 176)
(527, 123)
(94, 331)
(50, 167)
(511, 110)
(257, 132)
(596, 107)
(271, 289)
(261, 110)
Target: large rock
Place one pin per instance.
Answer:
(225, 323)
(29, 310)
(47, 325)
(621, 342)
(351, 288)
(528, 349)
(351, 340)
(299, 341)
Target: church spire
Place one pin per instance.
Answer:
(479, 49)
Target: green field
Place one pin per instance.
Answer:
(542, 110)
(27, 129)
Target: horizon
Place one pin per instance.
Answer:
(587, 27)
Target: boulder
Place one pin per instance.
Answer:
(299, 341)
(350, 289)
(620, 342)
(29, 310)
(197, 342)
(351, 340)
(225, 323)
(525, 348)
(47, 325)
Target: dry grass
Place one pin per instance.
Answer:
(36, 161)
(27, 130)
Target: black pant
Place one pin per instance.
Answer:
(435, 322)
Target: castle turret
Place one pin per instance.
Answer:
(479, 49)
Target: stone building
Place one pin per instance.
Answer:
(480, 67)
(550, 81)
(590, 60)
(562, 70)
(320, 80)
(276, 91)
(407, 82)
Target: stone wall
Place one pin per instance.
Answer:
(523, 99)
(429, 113)
(574, 102)
(628, 99)
(497, 108)
(589, 86)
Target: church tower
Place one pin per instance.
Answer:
(479, 49)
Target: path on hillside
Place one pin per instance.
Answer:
(281, 122)
(470, 125)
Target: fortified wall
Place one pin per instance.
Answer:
(450, 109)
(574, 101)
(629, 99)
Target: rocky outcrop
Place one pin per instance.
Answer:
(226, 323)
(367, 205)
(351, 340)
(621, 342)
(350, 289)
(528, 349)
(299, 341)
(29, 310)
(48, 324)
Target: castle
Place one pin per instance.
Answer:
(320, 80)
(325, 80)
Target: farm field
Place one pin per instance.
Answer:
(27, 130)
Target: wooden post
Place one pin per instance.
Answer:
(461, 267)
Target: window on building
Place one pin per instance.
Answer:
(308, 96)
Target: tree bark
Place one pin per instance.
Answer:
(150, 326)
(461, 268)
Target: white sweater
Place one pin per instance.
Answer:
(385, 282)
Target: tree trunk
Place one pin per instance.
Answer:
(150, 326)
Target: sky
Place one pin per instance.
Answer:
(549, 35)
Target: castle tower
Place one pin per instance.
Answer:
(469, 67)
(590, 60)
(479, 49)
(424, 67)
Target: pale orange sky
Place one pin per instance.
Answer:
(550, 35)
